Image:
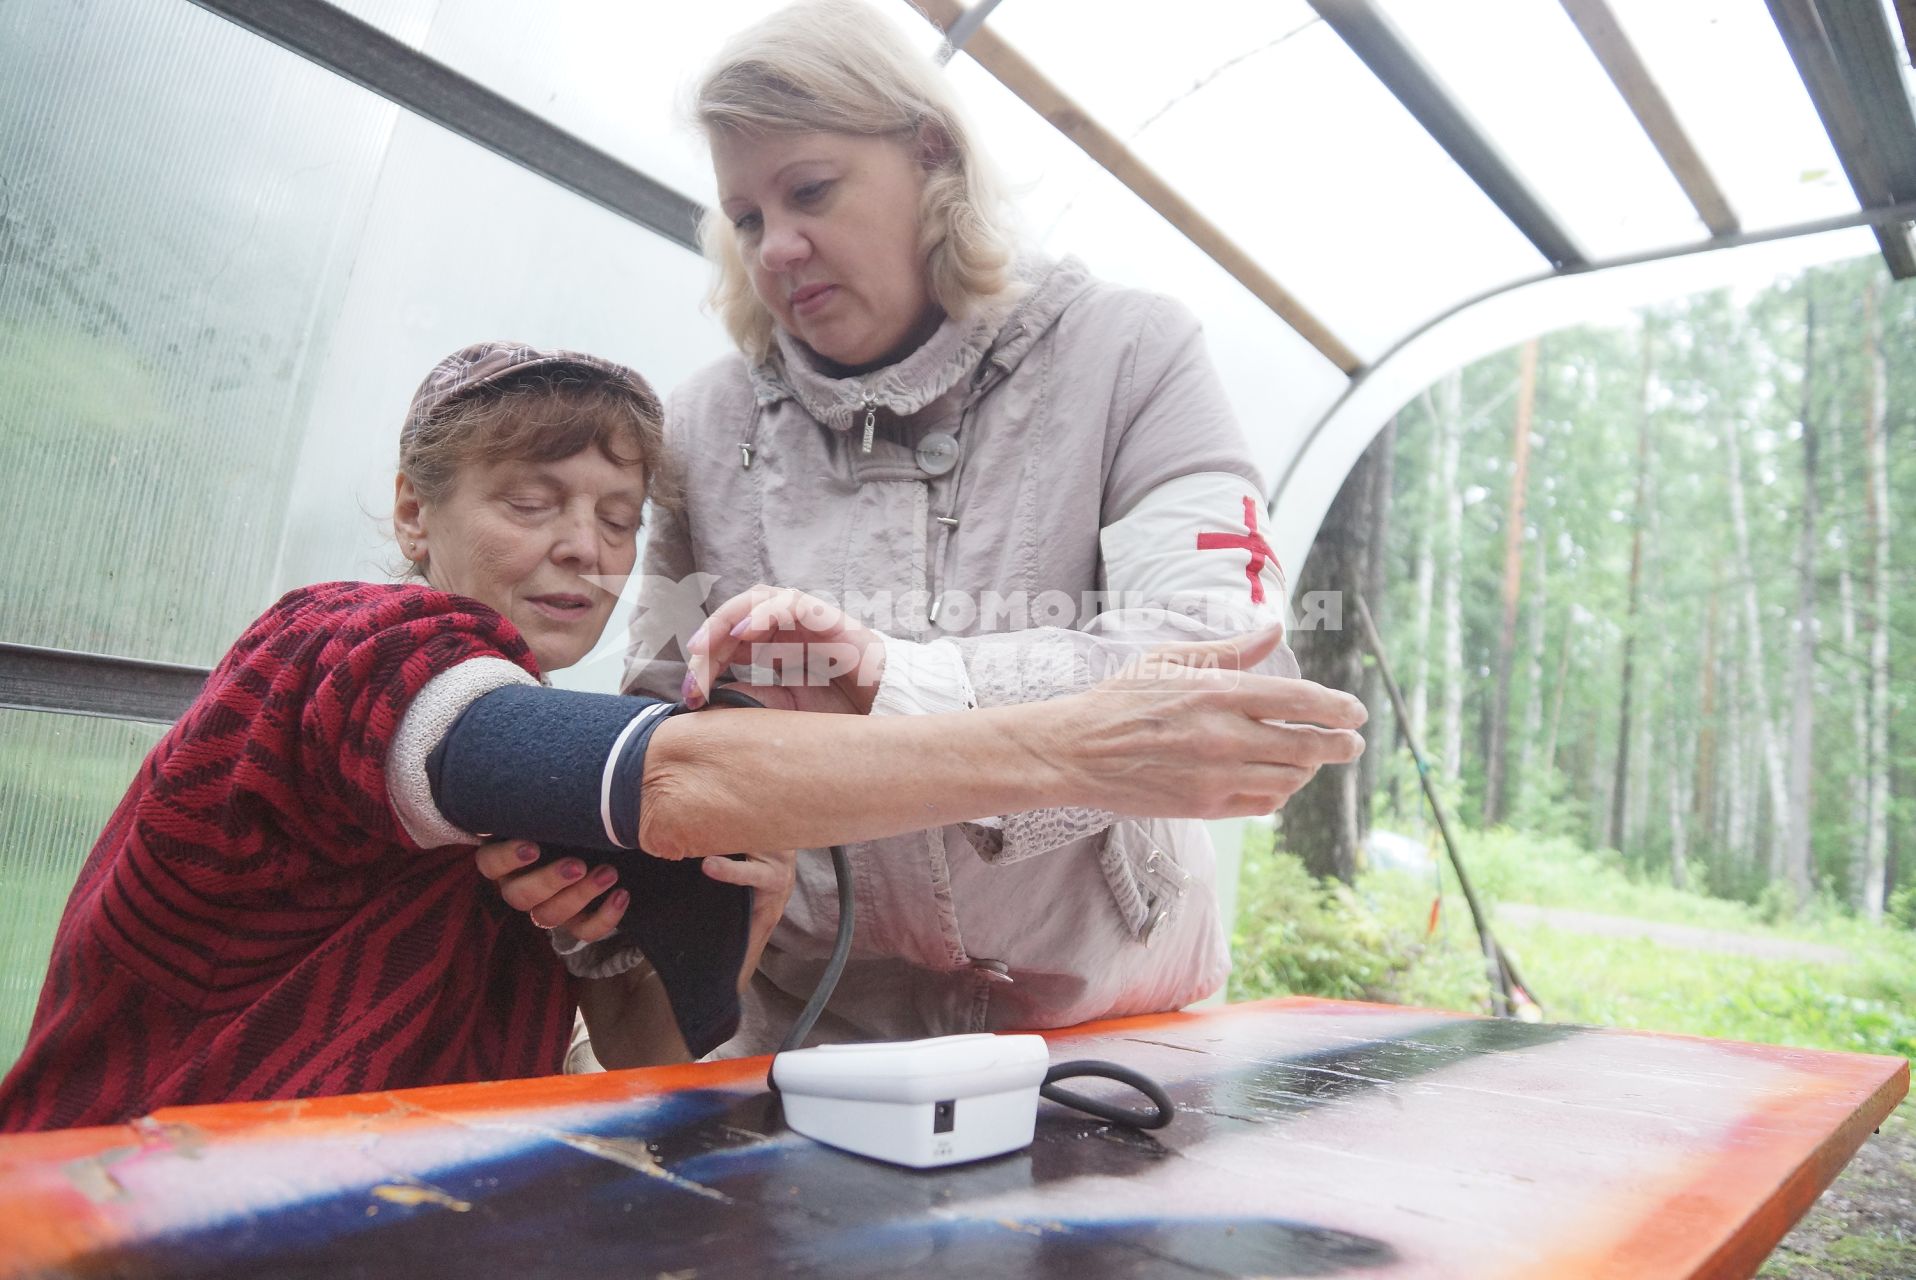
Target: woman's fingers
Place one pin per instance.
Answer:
(1233, 653)
(739, 871)
(770, 876)
(503, 857)
(554, 909)
(711, 646)
(1299, 701)
(1310, 746)
(756, 616)
(591, 926)
(769, 873)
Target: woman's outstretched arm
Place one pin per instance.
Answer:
(1200, 741)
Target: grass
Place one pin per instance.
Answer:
(1295, 936)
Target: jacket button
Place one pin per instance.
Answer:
(996, 970)
(937, 453)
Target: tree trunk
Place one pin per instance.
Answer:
(1738, 802)
(1557, 691)
(1426, 588)
(1704, 788)
(1380, 730)
(1450, 392)
(1620, 789)
(1322, 823)
(1856, 677)
(1680, 805)
(1796, 849)
(1533, 694)
(1494, 765)
(1876, 509)
(1757, 682)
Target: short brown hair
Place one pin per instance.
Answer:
(539, 415)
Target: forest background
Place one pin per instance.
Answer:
(1641, 589)
(1645, 594)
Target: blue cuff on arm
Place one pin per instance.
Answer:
(537, 762)
(565, 769)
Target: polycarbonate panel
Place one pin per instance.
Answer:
(407, 21)
(459, 246)
(1584, 154)
(60, 778)
(1071, 206)
(1328, 181)
(1730, 81)
(613, 74)
(182, 202)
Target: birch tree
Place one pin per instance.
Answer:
(1450, 418)
(1620, 788)
(1497, 744)
(1877, 517)
(1757, 683)
(1796, 849)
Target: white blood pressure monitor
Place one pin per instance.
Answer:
(921, 1103)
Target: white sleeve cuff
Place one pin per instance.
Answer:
(923, 679)
(427, 720)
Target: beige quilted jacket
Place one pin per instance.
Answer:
(1068, 404)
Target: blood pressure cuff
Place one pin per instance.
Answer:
(564, 769)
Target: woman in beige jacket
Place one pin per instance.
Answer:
(1019, 475)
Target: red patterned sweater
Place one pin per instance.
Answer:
(254, 922)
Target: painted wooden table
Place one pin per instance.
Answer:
(1313, 1138)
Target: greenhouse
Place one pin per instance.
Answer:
(1671, 242)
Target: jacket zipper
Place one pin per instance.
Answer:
(871, 422)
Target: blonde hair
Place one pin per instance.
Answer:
(836, 66)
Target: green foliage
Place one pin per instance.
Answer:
(1703, 369)
(1855, 991)
(1298, 935)
(1902, 906)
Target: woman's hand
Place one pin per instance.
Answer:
(1187, 731)
(821, 659)
(554, 896)
(770, 877)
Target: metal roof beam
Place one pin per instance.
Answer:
(1377, 42)
(1845, 53)
(1598, 25)
(95, 684)
(1017, 74)
(326, 34)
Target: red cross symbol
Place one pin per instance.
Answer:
(1250, 540)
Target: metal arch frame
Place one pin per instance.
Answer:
(356, 50)
(1326, 425)
(1374, 38)
(1846, 54)
(1886, 216)
(1859, 37)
